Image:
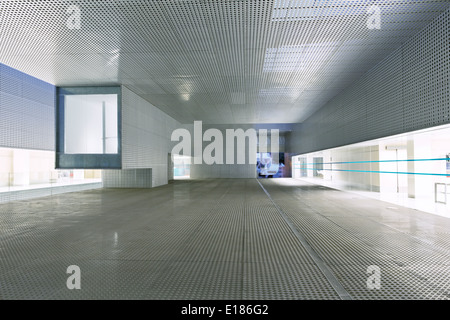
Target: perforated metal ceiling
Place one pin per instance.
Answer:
(220, 61)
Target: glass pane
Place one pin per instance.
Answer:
(90, 123)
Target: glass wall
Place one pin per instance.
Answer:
(22, 170)
(412, 168)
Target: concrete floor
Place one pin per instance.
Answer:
(222, 239)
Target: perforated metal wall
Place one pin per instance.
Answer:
(408, 90)
(131, 178)
(146, 133)
(27, 111)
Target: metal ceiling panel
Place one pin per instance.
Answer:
(222, 61)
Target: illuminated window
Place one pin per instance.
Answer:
(88, 131)
(90, 123)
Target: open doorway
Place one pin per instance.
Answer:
(181, 167)
(273, 165)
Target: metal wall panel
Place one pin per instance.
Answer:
(407, 91)
(27, 111)
(146, 133)
(131, 178)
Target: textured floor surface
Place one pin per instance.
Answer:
(222, 239)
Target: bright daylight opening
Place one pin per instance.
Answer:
(411, 169)
(181, 167)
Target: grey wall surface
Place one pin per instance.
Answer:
(27, 111)
(407, 91)
(146, 133)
